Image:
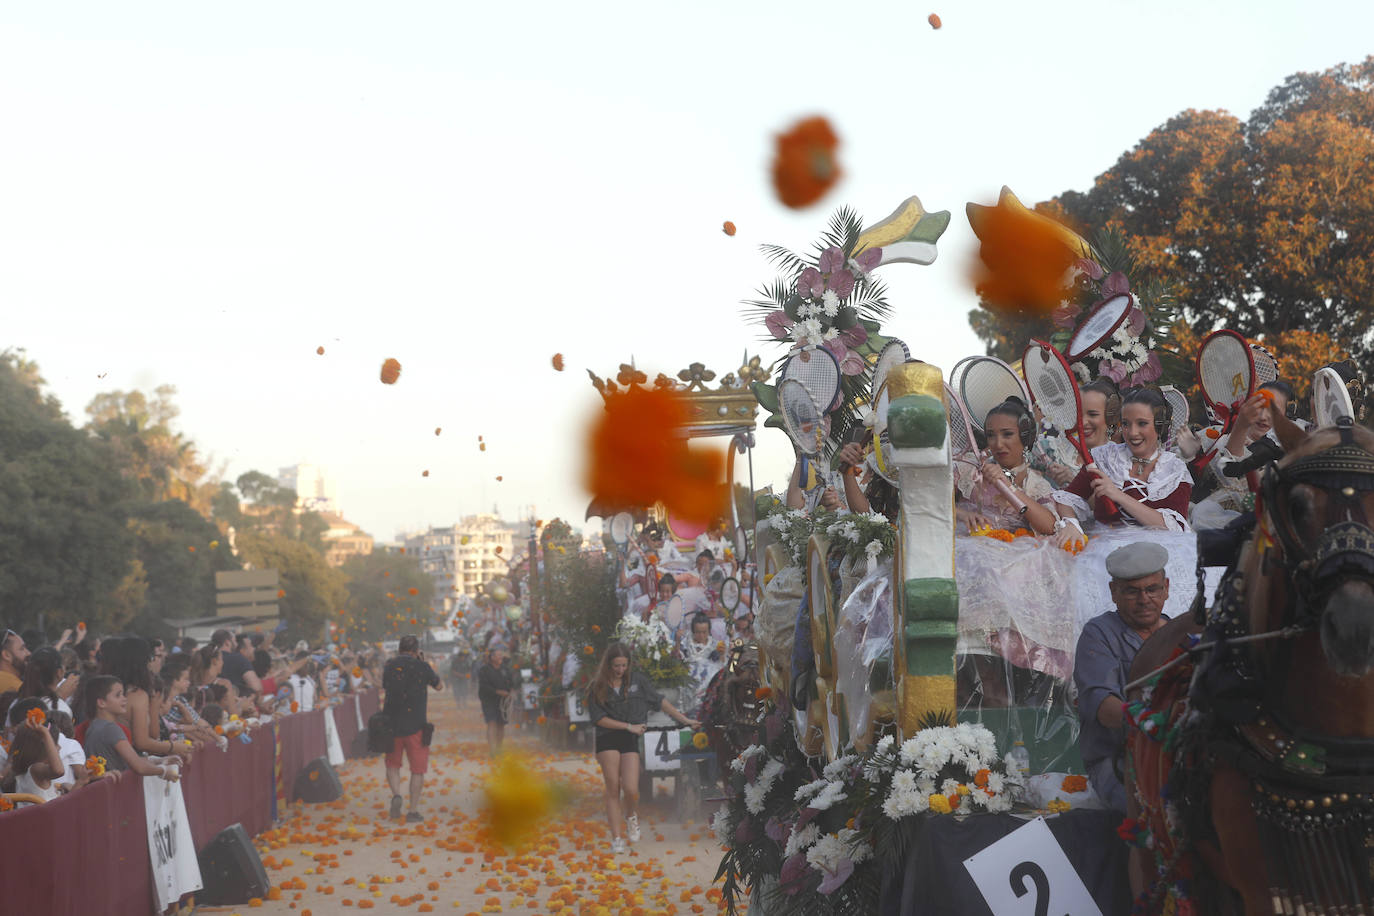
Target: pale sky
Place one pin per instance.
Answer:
(200, 195)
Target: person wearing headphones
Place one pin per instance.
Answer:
(1006, 493)
(1152, 486)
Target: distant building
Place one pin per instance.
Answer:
(344, 539)
(315, 491)
(463, 556)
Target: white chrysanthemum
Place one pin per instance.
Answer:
(911, 749)
(836, 768)
(903, 781)
(885, 744)
(830, 303)
(873, 548)
(757, 791)
(800, 839)
(858, 849)
(752, 750)
(830, 334)
(832, 793)
(808, 310)
(826, 854)
(720, 826)
(925, 786)
(996, 783)
(808, 790)
(949, 787)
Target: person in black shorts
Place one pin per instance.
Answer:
(494, 688)
(619, 699)
(406, 681)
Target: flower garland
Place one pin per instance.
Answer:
(651, 644)
(864, 535)
(1001, 534)
(795, 527)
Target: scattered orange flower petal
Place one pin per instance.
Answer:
(391, 371)
(413, 590)
(804, 165)
(191, 548)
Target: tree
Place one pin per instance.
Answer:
(379, 587)
(179, 552)
(162, 462)
(1265, 226)
(313, 591)
(65, 550)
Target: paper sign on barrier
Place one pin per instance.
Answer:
(529, 696)
(658, 746)
(176, 871)
(1026, 872)
(577, 709)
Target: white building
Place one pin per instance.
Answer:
(463, 556)
(315, 490)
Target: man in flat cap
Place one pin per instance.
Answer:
(1106, 649)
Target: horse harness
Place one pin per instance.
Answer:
(1313, 794)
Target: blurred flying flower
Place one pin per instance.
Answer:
(391, 371)
(804, 165)
(728, 228)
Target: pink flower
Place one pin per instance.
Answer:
(1089, 267)
(832, 880)
(778, 324)
(1135, 318)
(1066, 315)
(1148, 372)
(867, 261)
(831, 260)
(842, 282)
(810, 285)
(1115, 285)
(794, 873)
(1116, 371)
(837, 276)
(852, 364)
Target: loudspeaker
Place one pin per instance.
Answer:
(318, 782)
(230, 869)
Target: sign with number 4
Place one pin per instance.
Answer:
(1026, 872)
(659, 745)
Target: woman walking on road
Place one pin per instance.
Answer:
(494, 689)
(618, 701)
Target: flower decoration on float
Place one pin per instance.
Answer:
(832, 300)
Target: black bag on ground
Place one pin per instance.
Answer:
(380, 736)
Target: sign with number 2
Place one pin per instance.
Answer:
(1026, 872)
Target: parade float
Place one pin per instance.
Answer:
(900, 734)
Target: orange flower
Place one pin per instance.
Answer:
(596, 629)
(319, 351)
(191, 548)
(700, 741)
(558, 362)
(588, 650)
(281, 593)
(295, 707)
(1212, 433)
(763, 693)
(980, 779)
(424, 473)
(1023, 257)
(728, 228)
(413, 620)
(95, 766)
(953, 799)
(219, 729)
(5, 804)
(438, 430)
(934, 21)
(1074, 784)
(804, 165)
(542, 720)
(498, 547)
(357, 672)
(498, 478)
(413, 590)
(1022, 533)
(481, 446)
(391, 371)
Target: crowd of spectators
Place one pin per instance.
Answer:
(71, 711)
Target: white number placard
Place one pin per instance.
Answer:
(529, 695)
(658, 746)
(577, 710)
(1026, 872)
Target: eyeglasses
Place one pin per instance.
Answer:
(1135, 593)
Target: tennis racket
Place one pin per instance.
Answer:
(984, 383)
(1178, 410)
(622, 526)
(816, 368)
(963, 447)
(1055, 392)
(1100, 324)
(729, 594)
(1330, 398)
(894, 354)
(1226, 372)
(801, 415)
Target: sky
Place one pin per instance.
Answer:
(201, 195)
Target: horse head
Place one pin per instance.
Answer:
(1316, 524)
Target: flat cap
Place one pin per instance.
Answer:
(1135, 561)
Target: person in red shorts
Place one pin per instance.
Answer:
(406, 682)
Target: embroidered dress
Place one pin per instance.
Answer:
(1013, 596)
(1167, 490)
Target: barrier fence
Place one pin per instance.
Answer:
(87, 851)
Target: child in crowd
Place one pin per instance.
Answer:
(105, 704)
(34, 760)
(71, 752)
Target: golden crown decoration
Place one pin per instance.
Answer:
(711, 411)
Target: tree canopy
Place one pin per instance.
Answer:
(1265, 226)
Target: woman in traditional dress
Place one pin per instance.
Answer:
(1012, 590)
(1137, 491)
(1056, 457)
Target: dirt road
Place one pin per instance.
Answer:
(345, 855)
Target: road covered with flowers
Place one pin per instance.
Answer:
(345, 855)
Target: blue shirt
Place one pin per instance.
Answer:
(1101, 669)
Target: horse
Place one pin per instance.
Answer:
(731, 709)
(1250, 760)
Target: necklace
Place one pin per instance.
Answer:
(1142, 463)
(1012, 473)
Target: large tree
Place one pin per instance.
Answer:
(1265, 226)
(65, 549)
(179, 552)
(312, 590)
(380, 602)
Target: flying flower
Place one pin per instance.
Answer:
(319, 351)
(391, 371)
(558, 362)
(191, 548)
(934, 21)
(281, 593)
(424, 473)
(804, 165)
(413, 590)
(438, 430)
(728, 228)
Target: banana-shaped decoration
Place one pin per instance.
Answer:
(907, 236)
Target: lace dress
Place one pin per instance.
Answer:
(1013, 595)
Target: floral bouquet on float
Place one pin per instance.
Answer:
(651, 644)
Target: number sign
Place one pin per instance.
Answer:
(1026, 872)
(577, 709)
(658, 745)
(529, 696)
